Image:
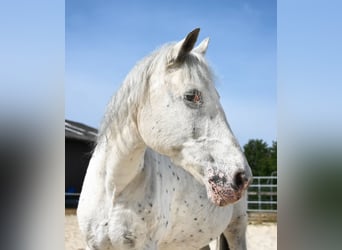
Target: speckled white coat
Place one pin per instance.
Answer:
(167, 172)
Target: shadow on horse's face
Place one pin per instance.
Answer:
(183, 119)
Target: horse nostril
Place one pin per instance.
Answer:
(239, 182)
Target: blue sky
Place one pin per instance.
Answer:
(104, 40)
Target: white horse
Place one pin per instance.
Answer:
(167, 172)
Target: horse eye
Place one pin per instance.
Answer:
(193, 98)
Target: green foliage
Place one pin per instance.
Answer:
(261, 158)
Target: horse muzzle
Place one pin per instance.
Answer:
(223, 191)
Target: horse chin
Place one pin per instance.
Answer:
(222, 197)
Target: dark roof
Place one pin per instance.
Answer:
(79, 131)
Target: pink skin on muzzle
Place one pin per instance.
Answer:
(223, 192)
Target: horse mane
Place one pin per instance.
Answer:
(134, 90)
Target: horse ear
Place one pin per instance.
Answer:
(202, 47)
(186, 45)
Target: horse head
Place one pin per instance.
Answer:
(182, 117)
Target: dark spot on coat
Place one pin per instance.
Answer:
(195, 133)
(211, 159)
(150, 204)
(129, 239)
(195, 218)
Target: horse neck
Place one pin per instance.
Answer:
(120, 140)
(123, 152)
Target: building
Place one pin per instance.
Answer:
(79, 144)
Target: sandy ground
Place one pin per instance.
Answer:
(259, 236)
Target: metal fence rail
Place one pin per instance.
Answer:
(262, 194)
